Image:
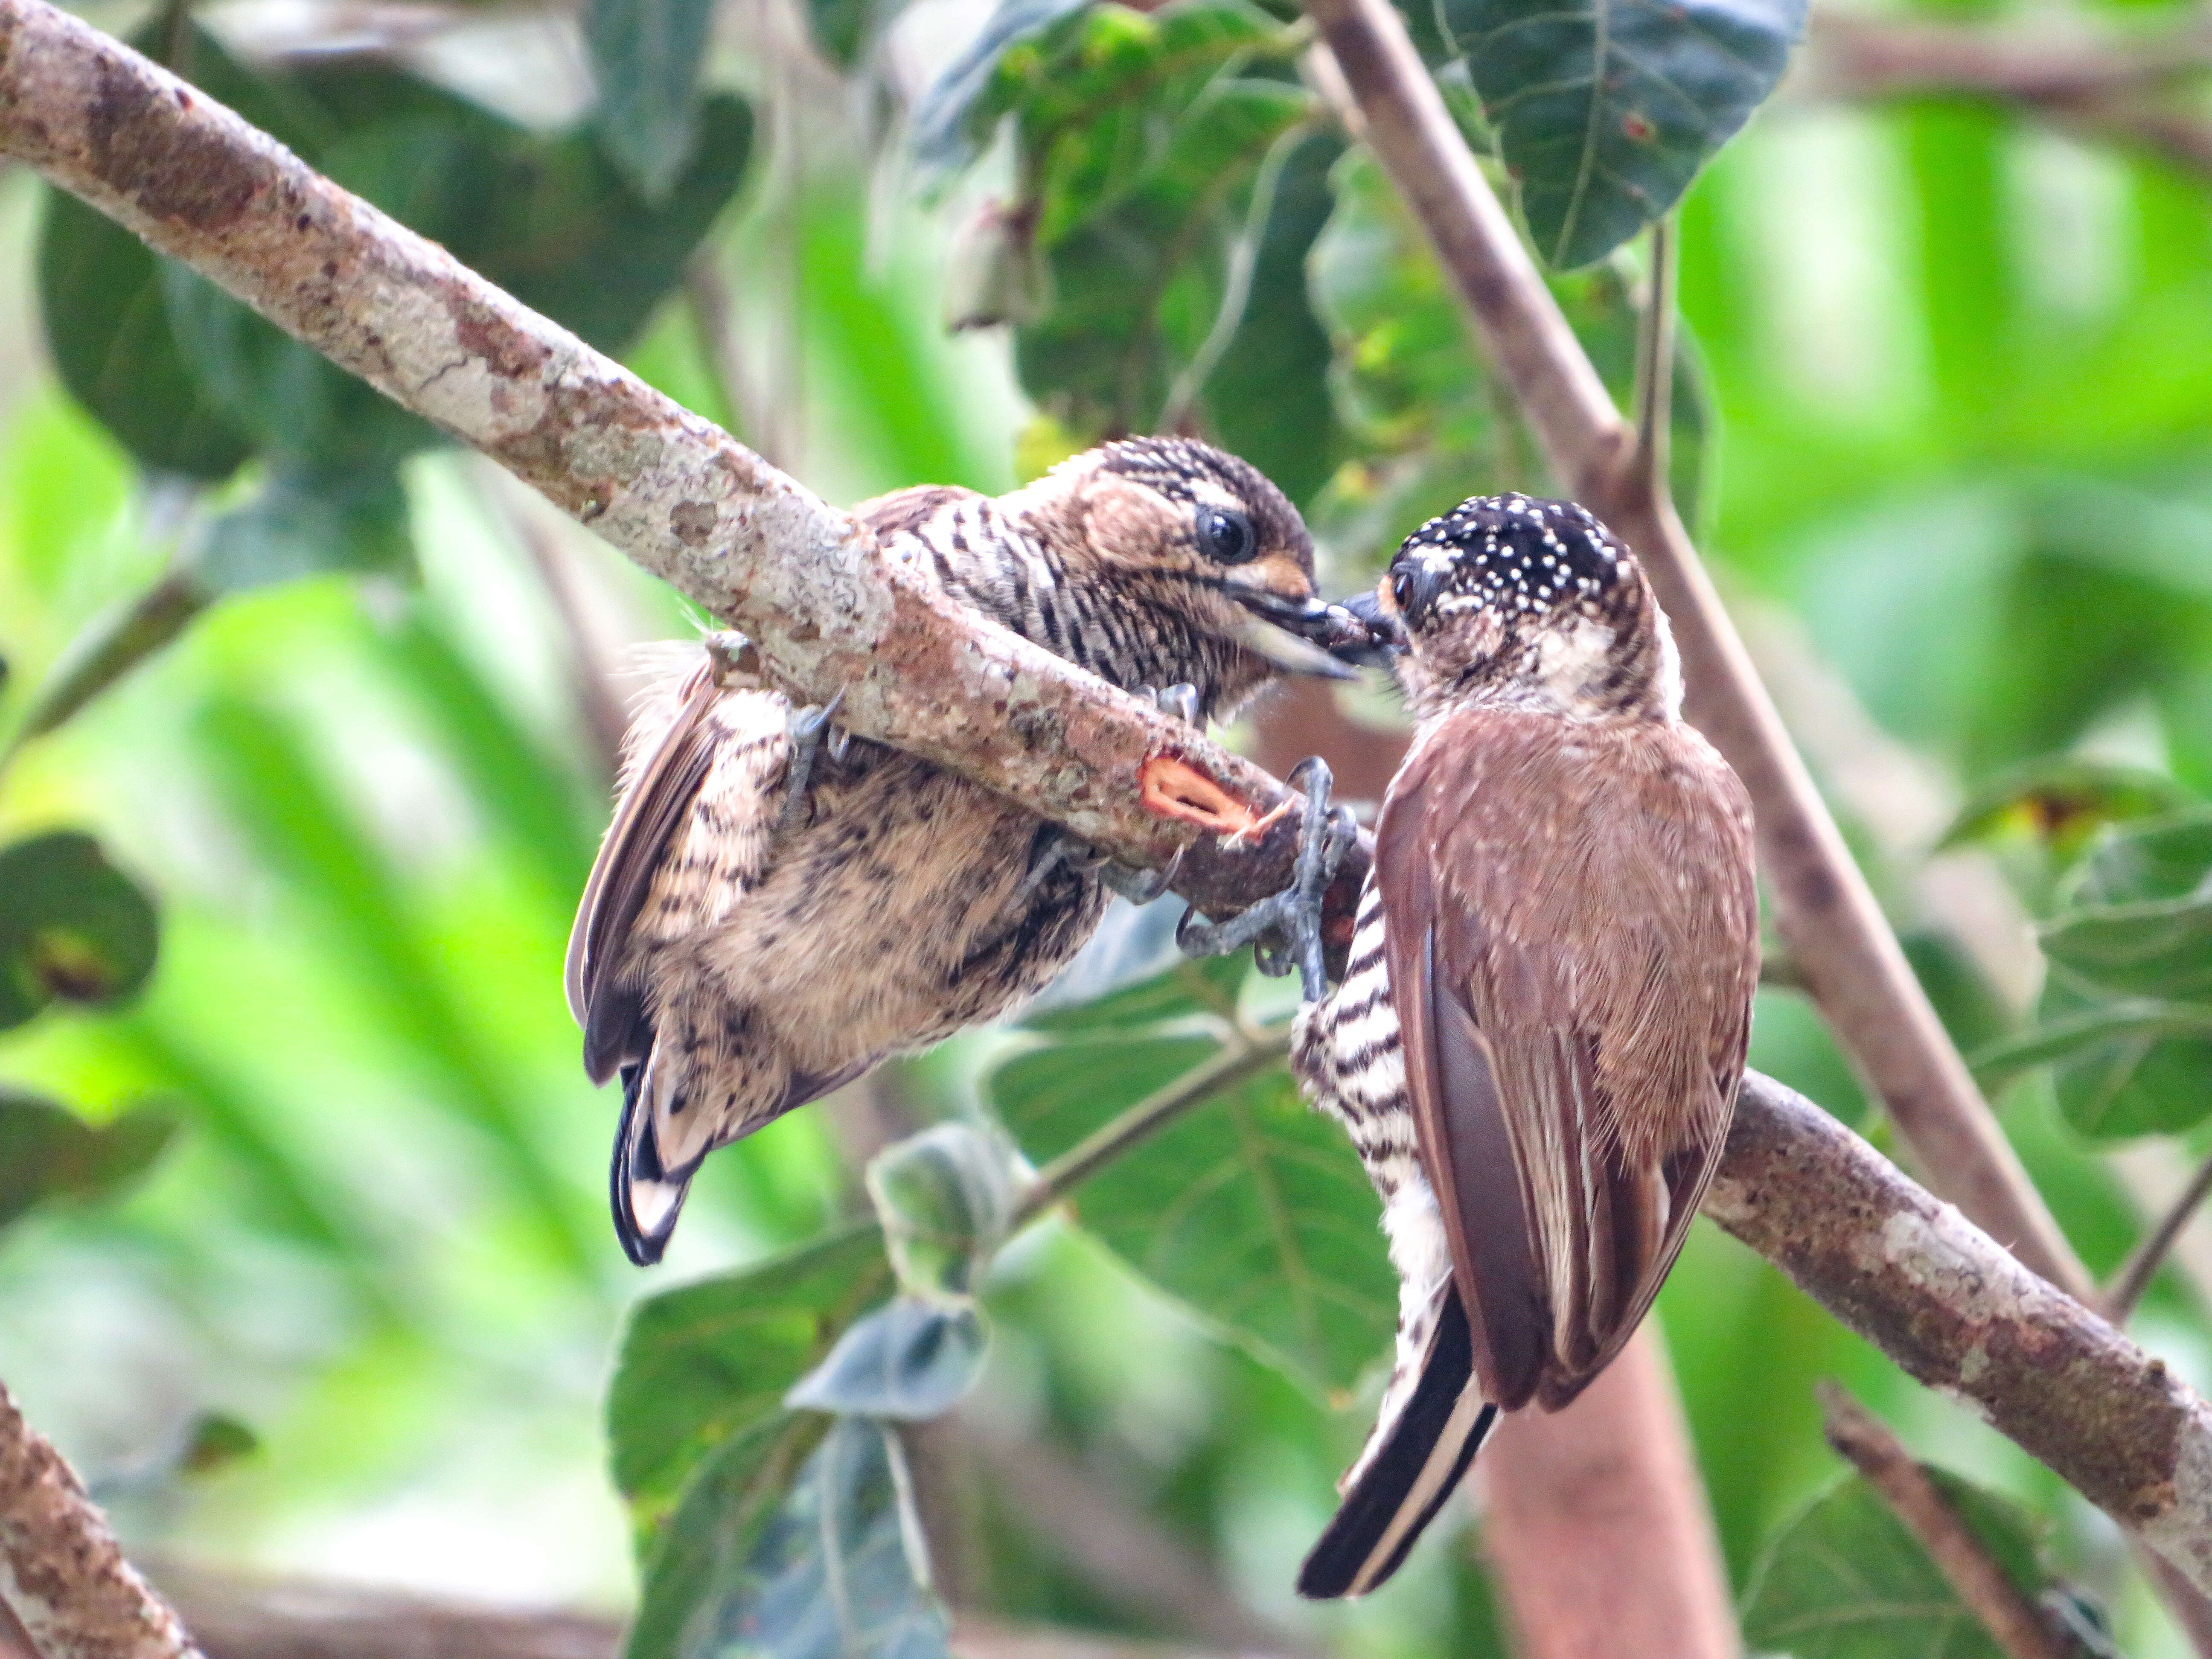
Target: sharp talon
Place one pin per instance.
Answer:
(1141, 886)
(1181, 700)
(806, 728)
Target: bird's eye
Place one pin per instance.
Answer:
(1226, 536)
(1401, 589)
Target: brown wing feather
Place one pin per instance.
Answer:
(1572, 935)
(652, 807)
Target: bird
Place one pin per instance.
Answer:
(777, 907)
(1543, 1018)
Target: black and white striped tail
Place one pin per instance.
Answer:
(1401, 1484)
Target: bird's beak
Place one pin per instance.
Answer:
(1299, 635)
(1381, 635)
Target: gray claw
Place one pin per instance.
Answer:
(1140, 886)
(1284, 930)
(811, 733)
(1182, 702)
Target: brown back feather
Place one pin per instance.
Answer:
(1571, 921)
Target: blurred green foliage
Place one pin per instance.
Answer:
(304, 686)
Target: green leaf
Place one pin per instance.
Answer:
(1251, 1208)
(215, 1440)
(2160, 947)
(714, 1360)
(302, 521)
(49, 1152)
(909, 1361)
(2062, 801)
(645, 56)
(1845, 1580)
(847, 31)
(1107, 995)
(946, 1198)
(838, 1572)
(108, 331)
(72, 926)
(1606, 109)
(2161, 857)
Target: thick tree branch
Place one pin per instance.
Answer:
(60, 1570)
(1826, 913)
(804, 581)
(1946, 1302)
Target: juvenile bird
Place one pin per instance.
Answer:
(1544, 1015)
(771, 914)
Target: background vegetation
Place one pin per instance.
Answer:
(307, 1259)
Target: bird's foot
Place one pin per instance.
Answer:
(1061, 850)
(812, 735)
(1283, 930)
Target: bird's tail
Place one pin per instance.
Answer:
(646, 1197)
(1403, 1478)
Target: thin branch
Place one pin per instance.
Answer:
(1655, 363)
(2119, 1299)
(1240, 1058)
(2016, 1623)
(1956, 1310)
(61, 1571)
(827, 611)
(2105, 84)
(1827, 914)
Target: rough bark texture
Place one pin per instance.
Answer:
(1597, 1523)
(682, 498)
(1825, 912)
(1940, 1298)
(60, 1570)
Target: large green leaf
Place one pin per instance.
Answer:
(1250, 1207)
(703, 1365)
(2125, 1018)
(72, 927)
(646, 57)
(1606, 109)
(47, 1152)
(1845, 1580)
(838, 1571)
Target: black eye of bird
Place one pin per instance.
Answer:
(1226, 535)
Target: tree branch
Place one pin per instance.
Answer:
(1827, 914)
(60, 1569)
(1951, 1306)
(2118, 1300)
(2105, 83)
(2016, 1623)
(682, 499)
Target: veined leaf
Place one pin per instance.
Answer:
(1250, 1207)
(1845, 1580)
(1606, 109)
(646, 57)
(701, 1365)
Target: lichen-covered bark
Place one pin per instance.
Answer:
(682, 498)
(1947, 1302)
(60, 1570)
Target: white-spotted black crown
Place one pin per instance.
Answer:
(1512, 554)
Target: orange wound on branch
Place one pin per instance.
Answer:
(1176, 789)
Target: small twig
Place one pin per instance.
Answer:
(112, 645)
(2017, 1623)
(1244, 1055)
(61, 1570)
(1655, 363)
(2116, 1302)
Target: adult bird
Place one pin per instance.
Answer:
(1544, 1016)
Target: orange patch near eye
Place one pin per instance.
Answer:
(1176, 789)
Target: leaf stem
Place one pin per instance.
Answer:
(1244, 1055)
(2119, 1298)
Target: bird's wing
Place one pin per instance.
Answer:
(1571, 947)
